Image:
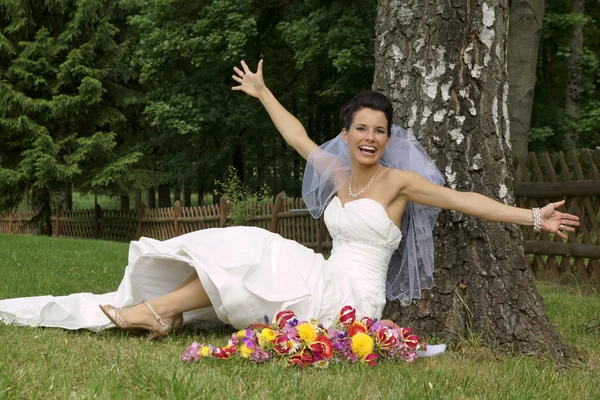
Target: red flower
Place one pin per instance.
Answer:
(410, 339)
(367, 322)
(224, 352)
(283, 317)
(282, 344)
(322, 348)
(370, 359)
(295, 361)
(356, 327)
(347, 315)
(306, 356)
(386, 339)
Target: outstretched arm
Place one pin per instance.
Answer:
(290, 128)
(419, 190)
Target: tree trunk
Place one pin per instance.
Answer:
(138, 199)
(151, 198)
(201, 195)
(40, 203)
(444, 68)
(187, 195)
(524, 35)
(66, 201)
(177, 194)
(574, 77)
(124, 202)
(164, 196)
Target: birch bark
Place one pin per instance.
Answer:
(443, 65)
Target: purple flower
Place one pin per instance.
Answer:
(291, 331)
(259, 356)
(192, 353)
(410, 356)
(249, 342)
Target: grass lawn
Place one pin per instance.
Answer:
(54, 363)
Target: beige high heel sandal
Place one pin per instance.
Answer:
(162, 329)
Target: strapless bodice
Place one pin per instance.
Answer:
(364, 239)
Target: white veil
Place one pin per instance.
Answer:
(411, 265)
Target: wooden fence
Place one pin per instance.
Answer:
(542, 178)
(286, 216)
(539, 179)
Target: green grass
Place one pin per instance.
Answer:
(54, 363)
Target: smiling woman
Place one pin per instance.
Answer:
(382, 239)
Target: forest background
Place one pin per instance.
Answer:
(128, 98)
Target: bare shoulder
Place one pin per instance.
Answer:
(399, 178)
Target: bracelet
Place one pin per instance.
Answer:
(537, 219)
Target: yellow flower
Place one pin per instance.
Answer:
(362, 345)
(245, 351)
(265, 336)
(307, 332)
(205, 351)
(241, 333)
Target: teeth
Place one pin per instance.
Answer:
(368, 148)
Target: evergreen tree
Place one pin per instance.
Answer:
(68, 102)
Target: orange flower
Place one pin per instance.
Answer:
(356, 327)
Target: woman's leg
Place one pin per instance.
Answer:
(185, 298)
(188, 280)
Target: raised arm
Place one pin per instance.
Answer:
(290, 128)
(419, 190)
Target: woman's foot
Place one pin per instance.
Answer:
(142, 317)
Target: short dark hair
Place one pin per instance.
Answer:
(373, 100)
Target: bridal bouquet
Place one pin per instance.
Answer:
(303, 343)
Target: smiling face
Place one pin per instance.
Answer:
(367, 137)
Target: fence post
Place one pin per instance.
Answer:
(176, 216)
(279, 200)
(141, 215)
(223, 210)
(97, 217)
(321, 234)
(58, 223)
(10, 222)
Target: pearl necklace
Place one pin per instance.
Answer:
(354, 196)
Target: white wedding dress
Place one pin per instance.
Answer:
(247, 272)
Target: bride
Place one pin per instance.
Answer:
(380, 194)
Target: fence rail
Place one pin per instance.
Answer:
(574, 177)
(539, 179)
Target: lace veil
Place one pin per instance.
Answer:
(411, 266)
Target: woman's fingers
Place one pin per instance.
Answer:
(558, 203)
(566, 228)
(570, 217)
(259, 68)
(246, 69)
(562, 235)
(238, 71)
(569, 222)
(237, 78)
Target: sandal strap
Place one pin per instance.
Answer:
(156, 316)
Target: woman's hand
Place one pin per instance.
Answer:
(557, 222)
(250, 83)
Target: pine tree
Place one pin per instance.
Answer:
(68, 102)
